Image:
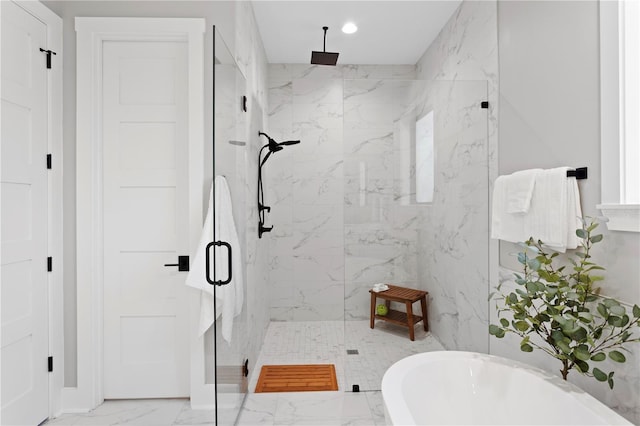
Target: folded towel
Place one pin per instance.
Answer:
(505, 226)
(519, 189)
(228, 298)
(380, 287)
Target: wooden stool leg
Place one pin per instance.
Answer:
(373, 309)
(425, 318)
(410, 320)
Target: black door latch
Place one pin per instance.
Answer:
(183, 263)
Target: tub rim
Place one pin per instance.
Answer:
(400, 413)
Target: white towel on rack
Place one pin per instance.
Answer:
(519, 190)
(553, 216)
(230, 297)
(505, 226)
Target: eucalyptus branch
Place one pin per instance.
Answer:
(560, 313)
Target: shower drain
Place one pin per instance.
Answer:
(352, 352)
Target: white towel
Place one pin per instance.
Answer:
(230, 297)
(553, 216)
(505, 226)
(519, 190)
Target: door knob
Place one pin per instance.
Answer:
(183, 263)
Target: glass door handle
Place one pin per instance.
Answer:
(208, 262)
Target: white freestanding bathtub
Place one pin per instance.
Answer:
(448, 387)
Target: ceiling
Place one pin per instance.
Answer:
(389, 32)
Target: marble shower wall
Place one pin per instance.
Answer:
(321, 234)
(461, 66)
(252, 61)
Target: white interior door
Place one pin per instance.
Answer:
(24, 347)
(146, 336)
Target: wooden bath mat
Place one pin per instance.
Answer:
(297, 378)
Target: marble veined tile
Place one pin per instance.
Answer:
(317, 116)
(130, 412)
(316, 91)
(351, 72)
(304, 71)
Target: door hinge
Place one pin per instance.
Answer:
(49, 264)
(244, 103)
(49, 53)
(484, 104)
(48, 161)
(50, 364)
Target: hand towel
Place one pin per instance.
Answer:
(228, 298)
(519, 190)
(505, 226)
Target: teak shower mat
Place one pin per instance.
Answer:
(297, 378)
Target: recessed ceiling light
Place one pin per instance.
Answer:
(349, 28)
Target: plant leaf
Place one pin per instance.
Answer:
(563, 347)
(636, 311)
(617, 310)
(582, 353)
(617, 356)
(579, 335)
(534, 264)
(521, 325)
(582, 366)
(600, 356)
(599, 375)
(602, 310)
(504, 322)
(596, 238)
(581, 233)
(586, 316)
(526, 348)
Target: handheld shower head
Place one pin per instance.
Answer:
(288, 143)
(271, 146)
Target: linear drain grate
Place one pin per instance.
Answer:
(352, 352)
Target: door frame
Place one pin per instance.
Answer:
(91, 34)
(53, 24)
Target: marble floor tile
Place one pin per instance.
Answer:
(142, 412)
(302, 342)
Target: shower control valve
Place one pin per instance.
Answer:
(263, 229)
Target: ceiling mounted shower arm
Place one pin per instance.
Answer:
(324, 44)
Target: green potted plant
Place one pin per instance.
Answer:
(559, 310)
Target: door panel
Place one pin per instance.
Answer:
(24, 346)
(146, 219)
(231, 152)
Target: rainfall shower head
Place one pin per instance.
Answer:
(324, 57)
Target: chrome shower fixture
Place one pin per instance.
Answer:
(272, 146)
(324, 57)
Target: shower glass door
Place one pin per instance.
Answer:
(416, 203)
(225, 361)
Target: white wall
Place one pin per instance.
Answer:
(550, 117)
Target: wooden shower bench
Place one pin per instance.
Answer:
(408, 296)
